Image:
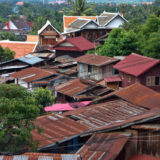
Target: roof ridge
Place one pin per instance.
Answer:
(142, 56)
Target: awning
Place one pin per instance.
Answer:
(66, 106)
(113, 79)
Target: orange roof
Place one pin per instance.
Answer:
(32, 38)
(20, 48)
(69, 19)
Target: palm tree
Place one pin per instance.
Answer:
(79, 8)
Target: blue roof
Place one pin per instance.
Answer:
(30, 59)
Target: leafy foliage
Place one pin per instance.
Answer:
(43, 97)
(8, 36)
(119, 43)
(17, 111)
(6, 54)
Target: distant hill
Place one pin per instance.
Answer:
(95, 1)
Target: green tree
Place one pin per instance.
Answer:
(119, 43)
(80, 8)
(17, 111)
(43, 98)
(157, 3)
(6, 54)
(8, 36)
(38, 24)
(148, 37)
(151, 46)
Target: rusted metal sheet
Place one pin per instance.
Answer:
(71, 87)
(113, 115)
(137, 94)
(96, 60)
(56, 128)
(104, 146)
(140, 95)
(41, 156)
(107, 113)
(31, 74)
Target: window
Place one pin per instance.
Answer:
(157, 81)
(81, 67)
(152, 81)
(114, 71)
(89, 68)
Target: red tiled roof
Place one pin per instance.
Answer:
(135, 64)
(137, 94)
(95, 60)
(38, 156)
(20, 48)
(31, 74)
(80, 44)
(104, 146)
(143, 157)
(113, 79)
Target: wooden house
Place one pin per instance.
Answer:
(48, 35)
(139, 69)
(95, 67)
(73, 47)
(92, 28)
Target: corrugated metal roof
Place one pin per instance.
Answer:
(71, 87)
(30, 59)
(108, 113)
(104, 146)
(96, 60)
(137, 94)
(31, 74)
(41, 156)
(135, 64)
(113, 79)
(80, 44)
(56, 128)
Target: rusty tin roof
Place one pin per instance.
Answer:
(104, 146)
(56, 128)
(137, 94)
(71, 87)
(96, 60)
(106, 114)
